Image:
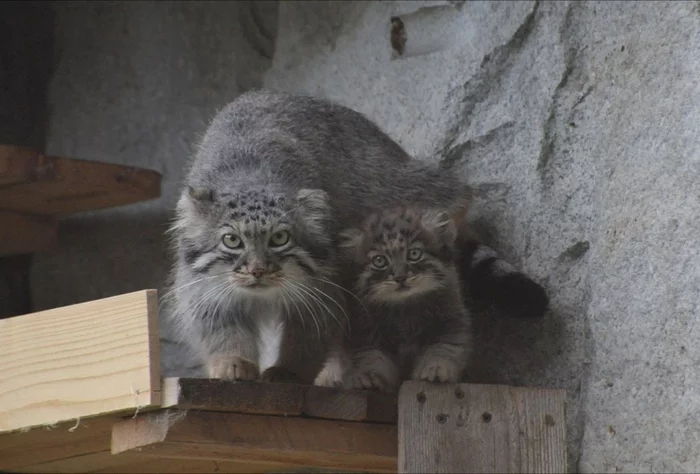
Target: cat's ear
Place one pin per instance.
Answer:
(441, 224)
(200, 194)
(314, 208)
(196, 200)
(350, 238)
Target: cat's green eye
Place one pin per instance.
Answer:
(232, 241)
(279, 238)
(379, 261)
(414, 255)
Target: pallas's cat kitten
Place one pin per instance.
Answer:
(409, 321)
(255, 287)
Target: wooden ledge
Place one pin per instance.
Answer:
(33, 183)
(291, 442)
(280, 399)
(35, 189)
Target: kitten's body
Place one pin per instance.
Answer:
(325, 167)
(410, 321)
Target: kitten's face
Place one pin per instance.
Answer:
(256, 242)
(401, 254)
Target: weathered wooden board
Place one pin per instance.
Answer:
(481, 428)
(79, 361)
(26, 233)
(292, 441)
(279, 399)
(33, 183)
(45, 445)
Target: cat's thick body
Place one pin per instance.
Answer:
(273, 161)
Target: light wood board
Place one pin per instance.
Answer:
(481, 428)
(79, 361)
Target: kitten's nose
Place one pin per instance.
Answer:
(401, 279)
(257, 272)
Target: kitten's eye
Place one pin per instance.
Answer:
(232, 241)
(379, 261)
(415, 254)
(280, 238)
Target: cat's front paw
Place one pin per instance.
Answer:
(371, 380)
(436, 369)
(232, 368)
(329, 377)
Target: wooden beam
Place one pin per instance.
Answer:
(33, 183)
(481, 428)
(79, 361)
(292, 441)
(279, 399)
(26, 233)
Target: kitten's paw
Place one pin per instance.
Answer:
(372, 380)
(280, 375)
(232, 368)
(329, 377)
(436, 369)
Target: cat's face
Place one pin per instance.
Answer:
(400, 254)
(255, 242)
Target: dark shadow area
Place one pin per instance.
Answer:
(26, 64)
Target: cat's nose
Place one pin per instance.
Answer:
(400, 279)
(257, 272)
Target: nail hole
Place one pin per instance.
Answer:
(549, 420)
(486, 417)
(421, 397)
(442, 418)
(459, 393)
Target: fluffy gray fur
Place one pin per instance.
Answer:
(274, 163)
(410, 320)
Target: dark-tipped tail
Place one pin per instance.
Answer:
(492, 281)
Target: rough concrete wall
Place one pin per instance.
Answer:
(579, 125)
(576, 122)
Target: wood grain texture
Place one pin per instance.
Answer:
(279, 399)
(45, 445)
(79, 361)
(26, 233)
(33, 183)
(481, 428)
(292, 441)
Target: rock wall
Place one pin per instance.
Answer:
(578, 123)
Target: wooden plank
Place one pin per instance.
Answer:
(238, 397)
(351, 405)
(26, 233)
(481, 428)
(48, 444)
(130, 463)
(79, 361)
(292, 441)
(279, 399)
(34, 183)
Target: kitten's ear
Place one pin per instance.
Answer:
(350, 238)
(440, 223)
(314, 208)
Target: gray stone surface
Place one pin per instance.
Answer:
(577, 123)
